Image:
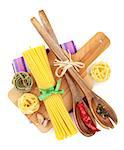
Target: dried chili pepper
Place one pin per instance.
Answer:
(86, 118)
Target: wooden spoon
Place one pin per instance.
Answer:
(76, 95)
(77, 99)
(89, 94)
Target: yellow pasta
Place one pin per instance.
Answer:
(37, 61)
(100, 72)
(28, 103)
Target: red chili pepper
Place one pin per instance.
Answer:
(86, 118)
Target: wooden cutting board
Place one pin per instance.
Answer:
(86, 54)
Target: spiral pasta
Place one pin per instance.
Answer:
(100, 72)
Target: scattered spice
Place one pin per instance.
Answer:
(102, 112)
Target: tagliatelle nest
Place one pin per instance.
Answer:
(28, 103)
(100, 72)
(22, 81)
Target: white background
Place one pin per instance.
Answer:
(72, 19)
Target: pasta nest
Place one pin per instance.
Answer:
(100, 72)
(22, 81)
(28, 103)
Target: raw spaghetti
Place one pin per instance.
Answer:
(38, 64)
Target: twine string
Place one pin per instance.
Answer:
(63, 66)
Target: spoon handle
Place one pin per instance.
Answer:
(46, 23)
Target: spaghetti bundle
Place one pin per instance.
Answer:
(38, 64)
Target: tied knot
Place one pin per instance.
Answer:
(45, 93)
(63, 66)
